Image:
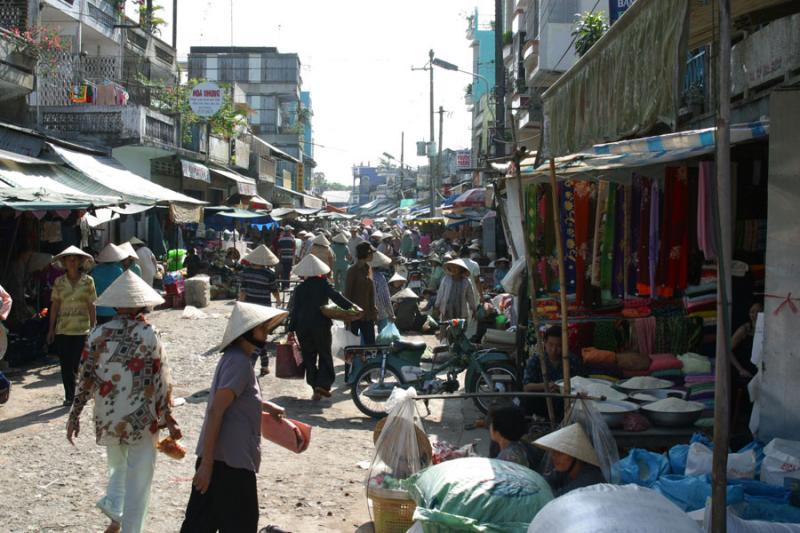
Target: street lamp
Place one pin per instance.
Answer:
(450, 66)
(429, 67)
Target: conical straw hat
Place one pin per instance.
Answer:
(261, 256)
(111, 254)
(71, 250)
(135, 241)
(131, 291)
(571, 440)
(378, 234)
(127, 248)
(380, 260)
(321, 240)
(405, 293)
(340, 238)
(433, 258)
(311, 266)
(246, 316)
(455, 263)
(397, 277)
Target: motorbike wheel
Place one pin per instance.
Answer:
(370, 375)
(500, 370)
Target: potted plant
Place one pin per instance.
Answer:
(38, 47)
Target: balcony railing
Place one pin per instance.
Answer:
(103, 12)
(13, 14)
(112, 125)
(694, 94)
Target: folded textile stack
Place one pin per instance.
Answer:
(666, 366)
(701, 389)
(701, 301)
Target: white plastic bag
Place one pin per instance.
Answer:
(699, 462)
(781, 461)
(341, 337)
(193, 313)
(513, 279)
(606, 508)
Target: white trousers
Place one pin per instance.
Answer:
(130, 474)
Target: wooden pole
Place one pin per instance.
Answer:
(723, 229)
(562, 281)
(532, 286)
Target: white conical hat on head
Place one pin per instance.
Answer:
(70, 250)
(570, 440)
(377, 234)
(261, 256)
(135, 240)
(456, 263)
(321, 240)
(246, 316)
(379, 260)
(311, 266)
(131, 291)
(405, 293)
(111, 254)
(340, 238)
(397, 277)
(127, 248)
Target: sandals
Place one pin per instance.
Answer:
(322, 392)
(113, 527)
(273, 529)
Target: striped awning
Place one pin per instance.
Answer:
(645, 151)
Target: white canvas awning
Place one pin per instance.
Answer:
(106, 176)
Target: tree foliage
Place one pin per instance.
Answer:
(589, 27)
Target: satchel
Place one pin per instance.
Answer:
(289, 361)
(291, 434)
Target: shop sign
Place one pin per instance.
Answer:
(617, 7)
(766, 55)
(195, 171)
(247, 189)
(206, 99)
(463, 159)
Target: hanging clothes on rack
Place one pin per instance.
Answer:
(705, 223)
(673, 263)
(617, 279)
(567, 198)
(584, 191)
(645, 186)
(607, 245)
(654, 243)
(599, 225)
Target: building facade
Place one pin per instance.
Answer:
(266, 83)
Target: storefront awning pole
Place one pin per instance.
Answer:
(562, 282)
(551, 413)
(722, 229)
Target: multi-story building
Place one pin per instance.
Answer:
(268, 83)
(539, 48)
(305, 120)
(479, 95)
(96, 89)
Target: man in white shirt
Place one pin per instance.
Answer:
(147, 260)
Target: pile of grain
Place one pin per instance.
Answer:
(674, 405)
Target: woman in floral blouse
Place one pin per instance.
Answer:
(72, 315)
(123, 369)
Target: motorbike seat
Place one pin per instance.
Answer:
(401, 346)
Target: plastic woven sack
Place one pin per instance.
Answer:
(640, 467)
(612, 509)
(388, 334)
(478, 495)
(399, 452)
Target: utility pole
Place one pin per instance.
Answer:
(500, 82)
(439, 155)
(719, 476)
(175, 24)
(430, 146)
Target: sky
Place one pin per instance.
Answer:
(357, 57)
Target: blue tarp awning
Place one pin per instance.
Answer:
(645, 151)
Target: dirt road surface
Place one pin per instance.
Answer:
(50, 486)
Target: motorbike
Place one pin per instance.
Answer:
(375, 371)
